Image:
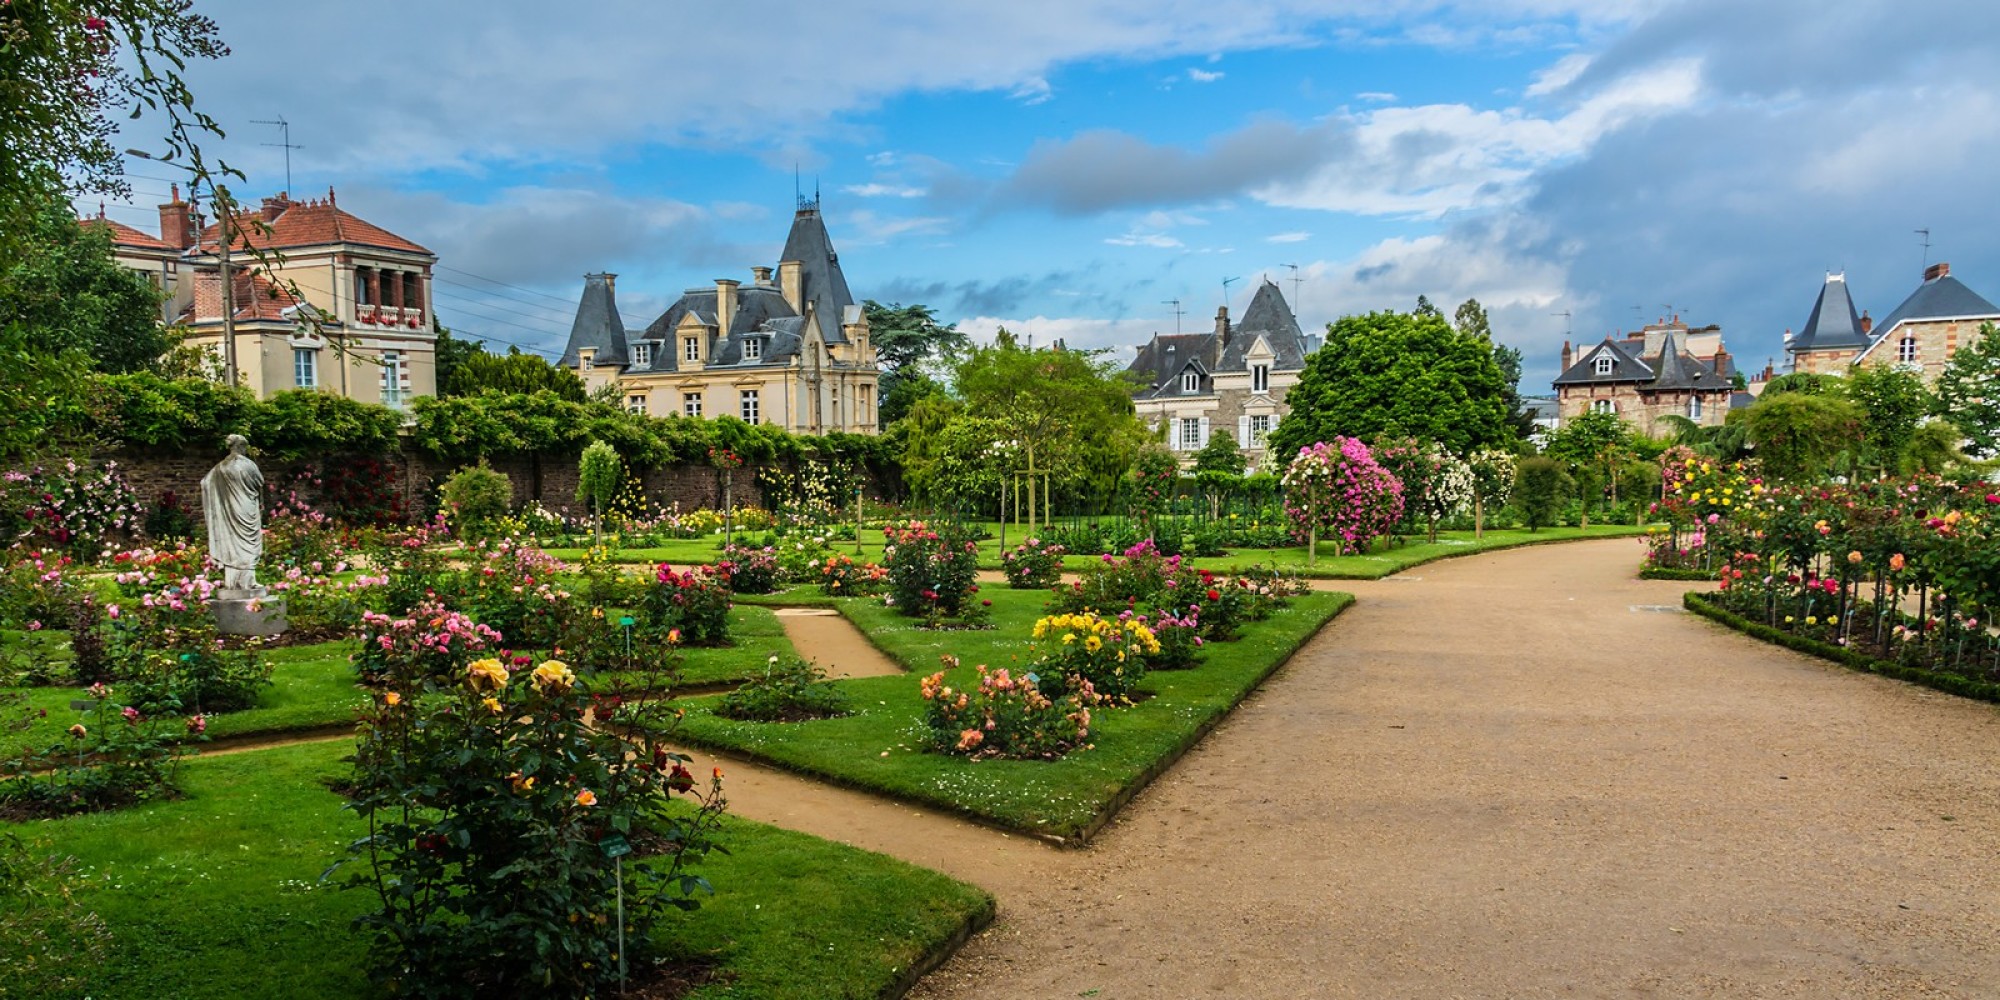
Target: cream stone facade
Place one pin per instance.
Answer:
(1233, 380)
(789, 348)
(364, 329)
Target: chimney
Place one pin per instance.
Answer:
(1867, 323)
(274, 207)
(1569, 356)
(791, 284)
(611, 283)
(1936, 271)
(760, 277)
(177, 226)
(725, 305)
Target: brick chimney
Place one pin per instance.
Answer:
(1569, 356)
(1867, 323)
(1221, 335)
(760, 277)
(1936, 271)
(725, 305)
(274, 207)
(177, 226)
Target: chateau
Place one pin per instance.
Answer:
(1666, 369)
(369, 288)
(1192, 383)
(1921, 334)
(790, 348)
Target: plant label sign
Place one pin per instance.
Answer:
(615, 846)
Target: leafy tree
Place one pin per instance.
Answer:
(1426, 309)
(1398, 374)
(1220, 454)
(1069, 412)
(1594, 447)
(67, 292)
(474, 371)
(1893, 402)
(599, 473)
(906, 338)
(1969, 392)
(1810, 383)
(1798, 435)
(1540, 487)
(452, 352)
(1470, 319)
(1492, 483)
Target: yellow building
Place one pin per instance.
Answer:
(369, 289)
(789, 348)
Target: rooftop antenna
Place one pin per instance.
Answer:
(1565, 315)
(1178, 312)
(285, 141)
(1226, 282)
(1669, 307)
(1295, 288)
(1926, 234)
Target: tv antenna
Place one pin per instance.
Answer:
(1178, 312)
(285, 142)
(1295, 287)
(1565, 315)
(1926, 234)
(1226, 282)
(1669, 307)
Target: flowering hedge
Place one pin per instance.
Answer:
(690, 608)
(81, 509)
(1033, 564)
(933, 571)
(1699, 495)
(1080, 653)
(1337, 490)
(1004, 716)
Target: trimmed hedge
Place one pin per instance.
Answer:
(1853, 659)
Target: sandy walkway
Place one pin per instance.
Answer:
(1508, 776)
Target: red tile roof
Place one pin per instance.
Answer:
(309, 223)
(256, 299)
(125, 236)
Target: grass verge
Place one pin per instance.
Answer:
(879, 747)
(1949, 683)
(217, 896)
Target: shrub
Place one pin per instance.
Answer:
(516, 589)
(684, 607)
(1003, 716)
(113, 757)
(494, 810)
(790, 690)
(1179, 636)
(171, 658)
(428, 642)
(77, 508)
(1117, 584)
(748, 571)
(1033, 564)
(1336, 490)
(169, 520)
(1540, 488)
(475, 497)
(933, 572)
(55, 945)
(842, 576)
(1088, 654)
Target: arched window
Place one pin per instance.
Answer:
(1603, 406)
(1604, 364)
(1906, 349)
(1694, 407)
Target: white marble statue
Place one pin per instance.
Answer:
(232, 498)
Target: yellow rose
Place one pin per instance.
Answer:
(486, 675)
(553, 677)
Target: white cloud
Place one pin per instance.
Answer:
(1137, 238)
(1376, 97)
(1121, 336)
(1293, 237)
(884, 191)
(1559, 75)
(1032, 91)
(1203, 76)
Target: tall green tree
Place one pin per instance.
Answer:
(1069, 412)
(1969, 392)
(1593, 447)
(66, 292)
(466, 368)
(1893, 404)
(1472, 320)
(1399, 375)
(1799, 435)
(906, 339)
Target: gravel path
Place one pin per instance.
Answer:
(1509, 776)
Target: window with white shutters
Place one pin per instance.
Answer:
(1190, 434)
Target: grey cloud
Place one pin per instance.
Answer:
(983, 297)
(1107, 169)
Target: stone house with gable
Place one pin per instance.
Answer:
(1667, 368)
(1233, 378)
(369, 288)
(790, 348)
(1937, 319)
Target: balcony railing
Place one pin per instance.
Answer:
(408, 317)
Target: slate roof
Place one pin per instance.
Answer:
(1270, 318)
(825, 286)
(1626, 366)
(1833, 325)
(597, 325)
(1672, 369)
(1942, 297)
(1161, 361)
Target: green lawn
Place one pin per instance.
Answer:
(879, 746)
(217, 896)
(758, 635)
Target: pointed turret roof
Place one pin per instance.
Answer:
(597, 325)
(1677, 369)
(823, 283)
(1833, 325)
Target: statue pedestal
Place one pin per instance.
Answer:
(247, 612)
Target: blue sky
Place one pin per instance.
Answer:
(1067, 168)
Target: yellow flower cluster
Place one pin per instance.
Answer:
(1095, 632)
(486, 675)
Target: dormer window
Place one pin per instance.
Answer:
(642, 355)
(1260, 378)
(1604, 363)
(690, 348)
(753, 348)
(1191, 381)
(585, 357)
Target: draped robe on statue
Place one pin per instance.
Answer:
(232, 497)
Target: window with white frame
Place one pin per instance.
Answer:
(1906, 349)
(749, 405)
(1260, 378)
(1260, 427)
(690, 348)
(393, 376)
(635, 403)
(753, 348)
(642, 355)
(305, 367)
(1603, 406)
(1603, 364)
(1190, 433)
(691, 404)
(1191, 381)
(585, 359)
(1694, 407)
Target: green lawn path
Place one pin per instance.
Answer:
(217, 896)
(879, 747)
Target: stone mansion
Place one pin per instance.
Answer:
(1232, 379)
